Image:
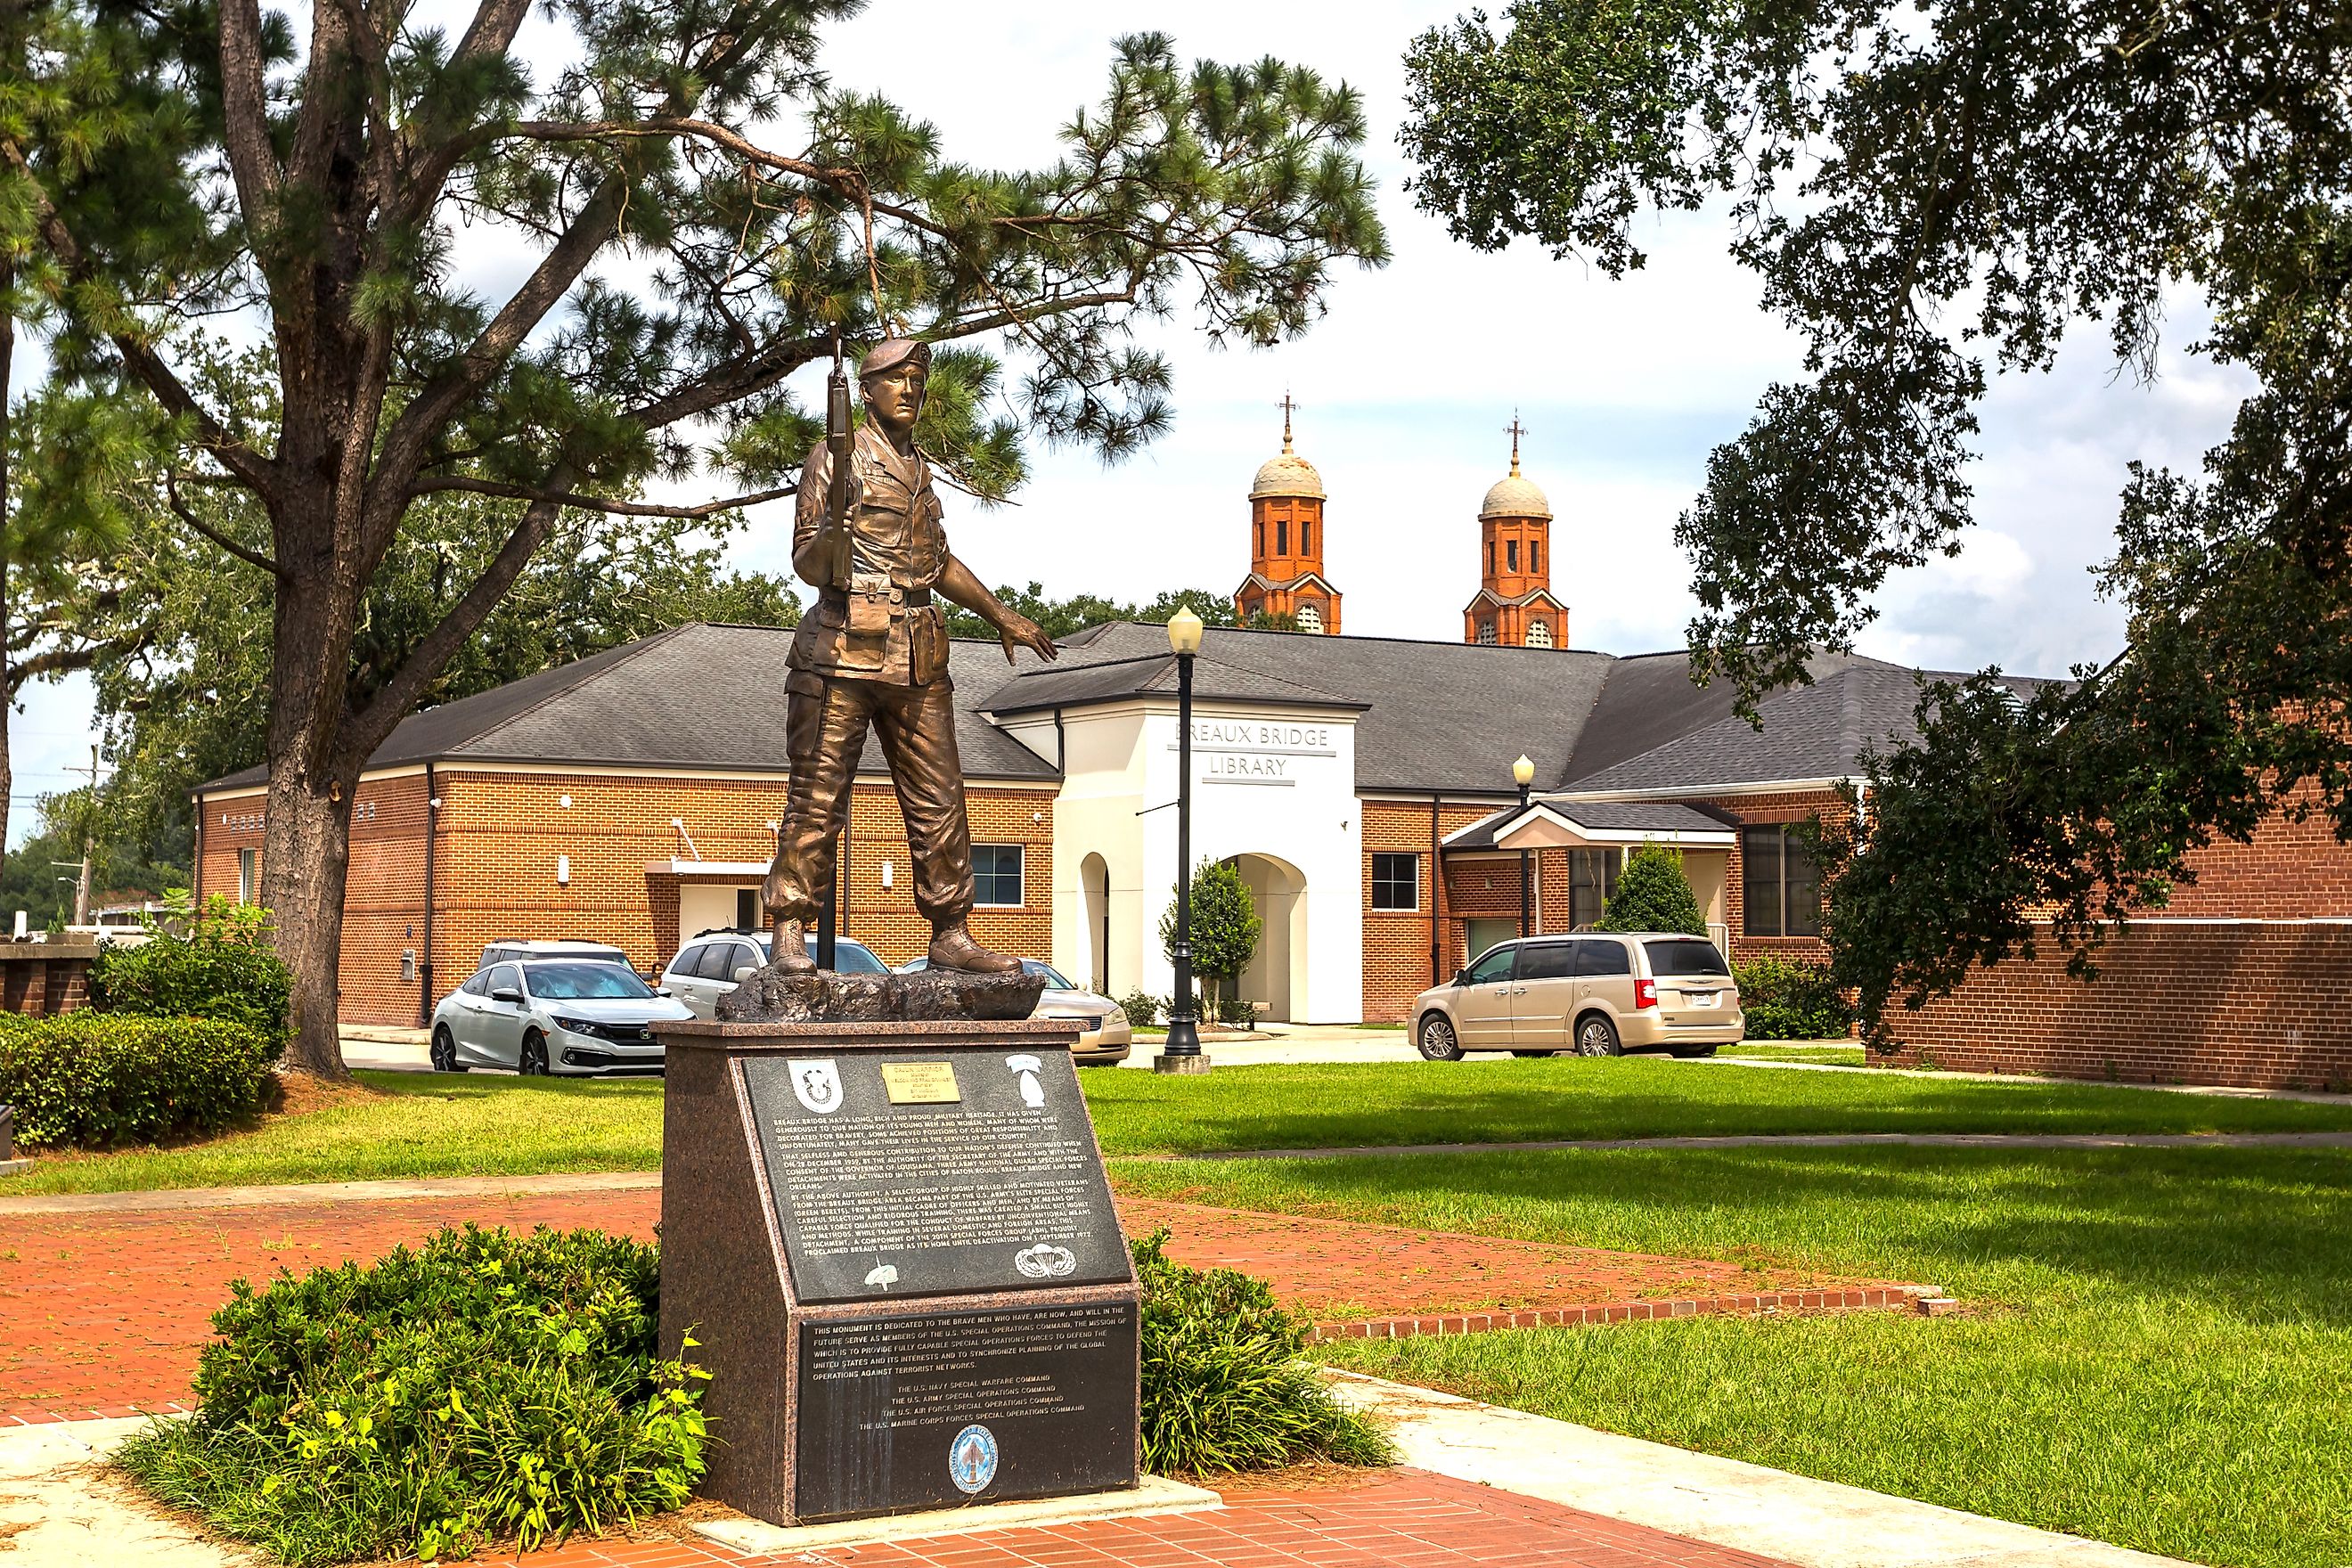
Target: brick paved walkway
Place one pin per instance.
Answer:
(104, 1312)
(1394, 1518)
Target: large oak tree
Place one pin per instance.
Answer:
(1933, 193)
(695, 215)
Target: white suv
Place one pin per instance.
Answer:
(713, 962)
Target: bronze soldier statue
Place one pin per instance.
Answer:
(872, 652)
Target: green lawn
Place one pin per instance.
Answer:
(452, 1125)
(2155, 1351)
(1828, 1052)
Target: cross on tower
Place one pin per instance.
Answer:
(1286, 405)
(1515, 429)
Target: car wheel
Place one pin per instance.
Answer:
(445, 1051)
(1437, 1041)
(1691, 1053)
(534, 1055)
(1597, 1037)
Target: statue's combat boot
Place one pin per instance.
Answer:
(791, 954)
(952, 948)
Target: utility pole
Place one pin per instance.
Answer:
(89, 836)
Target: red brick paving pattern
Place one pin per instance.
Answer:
(1404, 1519)
(104, 1312)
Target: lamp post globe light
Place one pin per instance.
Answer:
(1181, 1051)
(1523, 773)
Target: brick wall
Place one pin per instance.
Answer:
(2256, 1004)
(495, 863)
(1396, 942)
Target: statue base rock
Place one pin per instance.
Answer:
(775, 995)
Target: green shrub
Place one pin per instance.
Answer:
(1784, 1000)
(1143, 1008)
(1238, 1011)
(487, 1386)
(222, 968)
(1653, 894)
(96, 1079)
(1223, 1384)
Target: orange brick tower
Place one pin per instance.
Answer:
(1515, 607)
(1285, 574)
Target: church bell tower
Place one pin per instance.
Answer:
(1285, 576)
(1515, 607)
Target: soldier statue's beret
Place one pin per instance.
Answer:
(892, 352)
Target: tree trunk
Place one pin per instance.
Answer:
(306, 846)
(8, 687)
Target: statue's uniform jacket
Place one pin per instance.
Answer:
(872, 653)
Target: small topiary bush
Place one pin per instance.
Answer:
(223, 968)
(1223, 1384)
(487, 1386)
(1784, 1000)
(1653, 894)
(1142, 1009)
(95, 1079)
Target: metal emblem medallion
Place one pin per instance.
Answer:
(971, 1460)
(817, 1085)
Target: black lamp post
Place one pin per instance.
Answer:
(1523, 773)
(1182, 1053)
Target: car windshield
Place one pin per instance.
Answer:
(1688, 956)
(588, 982)
(1054, 979)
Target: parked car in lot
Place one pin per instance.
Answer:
(502, 951)
(1593, 994)
(707, 965)
(1107, 1039)
(552, 1015)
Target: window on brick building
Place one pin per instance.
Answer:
(1780, 887)
(1591, 877)
(1396, 882)
(1511, 555)
(746, 909)
(1261, 536)
(1310, 618)
(1540, 633)
(996, 874)
(248, 876)
(1307, 536)
(1534, 554)
(1281, 536)
(1490, 558)
(1485, 634)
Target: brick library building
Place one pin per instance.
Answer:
(1361, 785)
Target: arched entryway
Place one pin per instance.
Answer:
(1094, 883)
(1276, 979)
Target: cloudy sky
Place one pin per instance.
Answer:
(1405, 387)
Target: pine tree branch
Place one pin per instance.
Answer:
(600, 503)
(257, 472)
(172, 494)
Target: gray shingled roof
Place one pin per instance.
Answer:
(1432, 717)
(695, 696)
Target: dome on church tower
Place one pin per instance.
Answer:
(1287, 475)
(1515, 497)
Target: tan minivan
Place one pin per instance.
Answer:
(1597, 996)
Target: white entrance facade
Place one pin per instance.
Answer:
(1274, 790)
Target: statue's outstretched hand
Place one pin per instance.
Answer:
(1018, 631)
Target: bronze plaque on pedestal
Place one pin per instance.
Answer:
(895, 1248)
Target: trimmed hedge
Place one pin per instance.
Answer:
(222, 968)
(1790, 1001)
(1224, 1384)
(97, 1079)
(485, 1388)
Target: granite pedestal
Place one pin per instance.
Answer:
(894, 1245)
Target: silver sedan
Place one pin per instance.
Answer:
(552, 1015)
